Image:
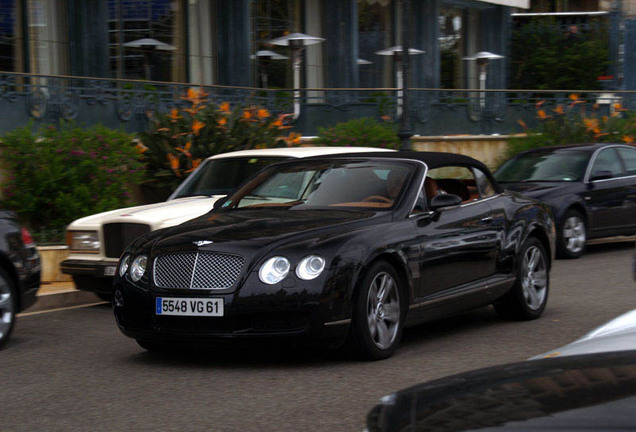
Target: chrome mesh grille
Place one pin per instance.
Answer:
(197, 270)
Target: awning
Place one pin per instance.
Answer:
(523, 4)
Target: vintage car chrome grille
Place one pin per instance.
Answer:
(118, 235)
(197, 270)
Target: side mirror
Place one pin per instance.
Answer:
(219, 203)
(445, 200)
(601, 175)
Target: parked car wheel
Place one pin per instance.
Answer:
(8, 307)
(378, 313)
(572, 235)
(528, 297)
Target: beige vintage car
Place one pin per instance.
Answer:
(96, 242)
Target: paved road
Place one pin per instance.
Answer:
(73, 370)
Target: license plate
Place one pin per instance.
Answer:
(189, 306)
(110, 271)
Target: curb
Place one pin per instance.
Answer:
(62, 299)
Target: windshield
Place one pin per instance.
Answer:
(222, 176)
(310, 185)
(549, 165)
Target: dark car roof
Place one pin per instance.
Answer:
(431, 159)
(523, 394)
(585, 147)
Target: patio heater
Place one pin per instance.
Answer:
(297, 42)
(397, 53)
(264, 57)
(483, 59)
(148, 46)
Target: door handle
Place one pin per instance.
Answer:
(487, 220)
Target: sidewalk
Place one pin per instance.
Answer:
(53, 295)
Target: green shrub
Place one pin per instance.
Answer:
(179, 140)
(54, 176)
(576, 123)
(359, 132)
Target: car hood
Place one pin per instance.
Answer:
(618, 334)
(158, 215)
(589, 392)
(259, 228)
(536, 190)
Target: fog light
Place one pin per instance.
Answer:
(118, 299)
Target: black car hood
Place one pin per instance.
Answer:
(260, 228)
(590, 392)
(537, 190)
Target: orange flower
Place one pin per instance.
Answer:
(174, 114)
(541, 115)
(522, 123)
(559, 109)
(224, 107)
(186, 149)
(195, 164)
(262, 113)
(174, 164)
(197, 126)
(574, 97)
(591, 124)
(628, 139)
(141, 148)
(222, 121)
(247, 114)
(293, 138)
(619, 107)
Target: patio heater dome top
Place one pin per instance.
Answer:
(484, 55)
(296, 38)
(149, 43)
(266, 54)
(363, 62)
(398, 49)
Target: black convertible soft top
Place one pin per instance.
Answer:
(431, 159)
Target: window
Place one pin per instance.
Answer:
(607, 163)
(468, 184)
(48, 42)
(629, 159)
(375, 32)
(161, 23)
(10, 37)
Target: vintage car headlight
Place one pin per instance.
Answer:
(310, 267)
(274, 270)
(123, 265)
(83, 240)
(138, 267)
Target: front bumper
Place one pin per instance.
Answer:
(249, 312)
(98, 269)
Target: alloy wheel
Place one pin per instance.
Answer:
(7, 309)
(534, 278)
(574, 234)
(383, 310)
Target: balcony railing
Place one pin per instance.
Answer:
(42, 100)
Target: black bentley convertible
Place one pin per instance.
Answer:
(347, 248)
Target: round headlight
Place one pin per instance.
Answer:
(138, 267)
(123, 265)
(274, 270)
(310, 267)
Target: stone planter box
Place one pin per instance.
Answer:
(51, 257)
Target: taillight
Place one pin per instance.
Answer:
(27, 238)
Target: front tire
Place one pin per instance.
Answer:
(378, 314)
(8, 307)
(528, 297)
(572, 235)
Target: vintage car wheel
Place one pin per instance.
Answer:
(572, 235)
(378, 313)
(8, 306)
(529, 295)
